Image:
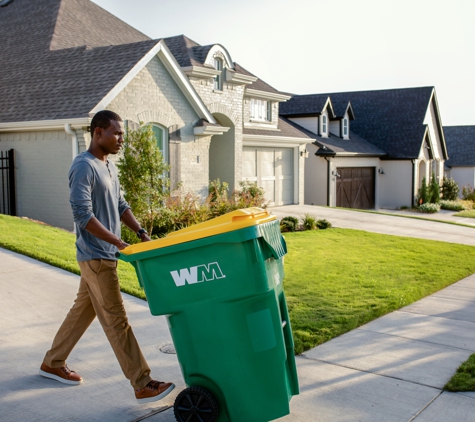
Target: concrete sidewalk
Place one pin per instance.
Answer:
(392, 369)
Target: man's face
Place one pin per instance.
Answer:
(110, 140)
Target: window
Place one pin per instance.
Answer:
(261, 110)
(160, 133)
(324, 124)
(218, 79)
(345, 127)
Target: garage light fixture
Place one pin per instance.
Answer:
(335, 173)
(381, 171)
(304, 153)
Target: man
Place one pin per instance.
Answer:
(98, 208)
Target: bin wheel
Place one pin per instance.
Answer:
(195, 404)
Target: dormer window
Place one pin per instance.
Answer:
(324, 125)
(218, 79)
(345, 127)
(261, 110)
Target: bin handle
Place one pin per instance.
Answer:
(284, 323)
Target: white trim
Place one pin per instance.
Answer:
(72, 132)
(44, 124)
(219, 47)
(270, 141)
(164, 54)
(200, 72)
(266, 95)
(239, 78)
(209, 130)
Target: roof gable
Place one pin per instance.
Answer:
(460, 142)
(392, 119)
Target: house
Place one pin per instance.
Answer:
(372, 148)
(64, 60)
(461, 146)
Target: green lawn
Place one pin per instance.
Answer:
(335, 280)
(464, 377)
(469, 214)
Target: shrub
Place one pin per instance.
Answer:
(450, 189)
(451, 205)
(309, 222)
(423, 193)
(289, 224)
(250, 195)
(142, 175)
(324, 224)
(429, 208)
(434, 190)
(468, 193)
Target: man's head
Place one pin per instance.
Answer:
(102, 119)
(107, 132)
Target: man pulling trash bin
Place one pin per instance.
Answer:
(98, 209)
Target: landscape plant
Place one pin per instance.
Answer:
(143, 175)
(309, 222)
(434, 190)
(289, 224)
(423, 193)
(468, 193)
(429, 208)
(451, 205)
(449, 189)
(324, 224)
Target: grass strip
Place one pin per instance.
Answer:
(464, 377)
(467, 214)
(339, 279)
(335, 280)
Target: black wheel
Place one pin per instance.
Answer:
(195, 404)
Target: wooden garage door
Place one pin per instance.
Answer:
(355, 187)
(272, 169)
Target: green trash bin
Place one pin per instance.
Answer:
(219, 283)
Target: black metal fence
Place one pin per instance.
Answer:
(7, 182)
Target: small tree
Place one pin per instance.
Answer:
(423, 193)
(434, 190)
(143, 175)
(450, 189)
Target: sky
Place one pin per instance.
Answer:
(324, 46)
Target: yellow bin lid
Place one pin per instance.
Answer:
(231, 221)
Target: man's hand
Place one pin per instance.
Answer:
(121, 244)
(144, 237)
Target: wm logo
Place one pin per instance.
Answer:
(197, 274)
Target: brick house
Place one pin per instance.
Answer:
(64, 60)
(372, 149)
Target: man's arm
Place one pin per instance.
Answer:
(131, 222)
(95, 227)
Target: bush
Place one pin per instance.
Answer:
(468, 193)
(324, 224)
(428, 208)
(309, 222)
(451, 205)
(450, 189)
(289, 224)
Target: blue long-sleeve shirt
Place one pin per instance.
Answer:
(95, 192)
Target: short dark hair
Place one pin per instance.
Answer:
(103, 119)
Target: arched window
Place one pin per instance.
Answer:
(218, 79)
(162, 139)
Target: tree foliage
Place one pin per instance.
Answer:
(143, 175)
(450, 189)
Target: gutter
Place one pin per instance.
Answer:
(72, 132)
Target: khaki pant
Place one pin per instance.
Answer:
(99, 294)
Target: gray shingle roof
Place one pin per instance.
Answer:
(186, 51)
(460, 142)
(286, 129)
(259, 85)
(60, 58)
(391, 119)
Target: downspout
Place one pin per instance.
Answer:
(70, 131)
(328, 181)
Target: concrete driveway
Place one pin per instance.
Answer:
(391, 222)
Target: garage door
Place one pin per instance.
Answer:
(272, 169)
(355, 187)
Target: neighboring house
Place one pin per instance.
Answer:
(64, 60)
(372, 148)
(461, 146)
